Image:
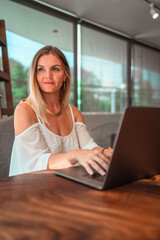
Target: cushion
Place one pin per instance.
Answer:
(6, 143)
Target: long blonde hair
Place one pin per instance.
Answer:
(35, 99)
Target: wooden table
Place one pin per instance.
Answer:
(48, 207)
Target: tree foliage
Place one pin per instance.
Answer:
(19, 81)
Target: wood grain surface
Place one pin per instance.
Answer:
(47, 207)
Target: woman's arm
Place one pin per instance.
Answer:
(85, 157)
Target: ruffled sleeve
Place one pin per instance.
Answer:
(85, 140)
(30, 152)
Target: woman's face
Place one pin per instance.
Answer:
(50, 74)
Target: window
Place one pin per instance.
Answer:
(145, 76)
(102, 84)
(103, 72)
(27, 31)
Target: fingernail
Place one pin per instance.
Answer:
(102, 173)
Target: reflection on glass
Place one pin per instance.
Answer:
(103, 72)
(145, 77)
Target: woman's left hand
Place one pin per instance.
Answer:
(108, 152)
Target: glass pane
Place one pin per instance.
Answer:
(26, 34)
(145, 76)
(3, 93)
(103, 72)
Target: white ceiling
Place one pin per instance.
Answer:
(130, 17)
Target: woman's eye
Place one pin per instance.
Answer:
(40, 69)
(55, 69)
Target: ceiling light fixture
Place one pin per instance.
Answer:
(153, 12)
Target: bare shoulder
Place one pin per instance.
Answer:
(24, 117)
(77, 114)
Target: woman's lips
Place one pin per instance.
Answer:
(48, 82)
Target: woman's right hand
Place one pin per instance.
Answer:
(92, 158)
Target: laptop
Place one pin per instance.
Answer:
(136, 152)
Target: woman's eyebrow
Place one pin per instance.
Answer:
(55, 65)
(40, 65)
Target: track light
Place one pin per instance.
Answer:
(153, 12)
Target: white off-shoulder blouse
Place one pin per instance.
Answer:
(33, 147)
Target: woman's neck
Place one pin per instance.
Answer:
(52, 101)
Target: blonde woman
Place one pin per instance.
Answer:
(49, 133)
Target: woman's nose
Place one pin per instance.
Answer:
(48, 74)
